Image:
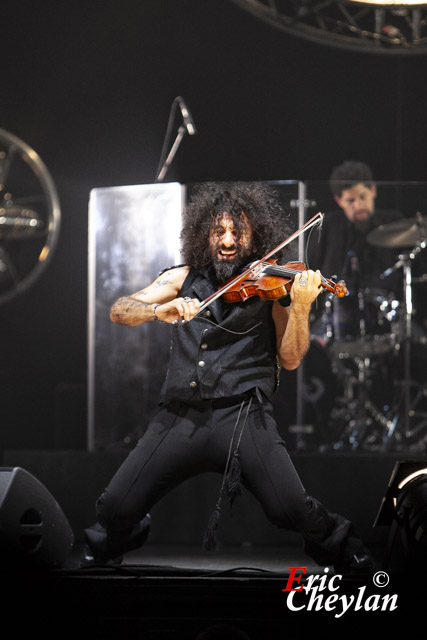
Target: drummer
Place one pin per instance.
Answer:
(343, 249)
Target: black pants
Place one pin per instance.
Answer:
(182, 441)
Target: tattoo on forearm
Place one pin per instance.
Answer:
(127, 305)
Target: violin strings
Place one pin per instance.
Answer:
(280, 271)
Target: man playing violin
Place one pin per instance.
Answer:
(215, 410)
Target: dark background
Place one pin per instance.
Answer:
(89, 86)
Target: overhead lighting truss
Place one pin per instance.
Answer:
(373, 27)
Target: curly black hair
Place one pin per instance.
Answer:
(269, 219)
(349, 173)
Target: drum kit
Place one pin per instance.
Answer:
(376, 352)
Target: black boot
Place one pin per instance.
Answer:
(108, 547)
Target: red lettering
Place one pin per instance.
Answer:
(293, 577)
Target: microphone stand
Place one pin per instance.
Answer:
(181, 133)
(183, 129)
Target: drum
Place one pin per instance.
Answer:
(362, 324)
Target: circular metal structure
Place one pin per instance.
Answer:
(30, 216)
(389, 28)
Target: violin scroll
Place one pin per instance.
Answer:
(340, 289)
(337, 288)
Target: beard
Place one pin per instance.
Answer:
(226, 269)
(363, 223)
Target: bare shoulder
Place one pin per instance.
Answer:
(174, 276)
(165, 287)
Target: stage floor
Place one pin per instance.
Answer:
(194, 561)
(170, 592)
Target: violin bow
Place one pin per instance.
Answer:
(315, 220)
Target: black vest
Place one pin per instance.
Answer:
(226, 351)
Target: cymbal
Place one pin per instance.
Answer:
(402, 233)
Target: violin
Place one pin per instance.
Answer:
(271, 281)
(267, 279)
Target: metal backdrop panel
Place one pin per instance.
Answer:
(133, 235)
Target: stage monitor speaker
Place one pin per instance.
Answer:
(33, 527)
